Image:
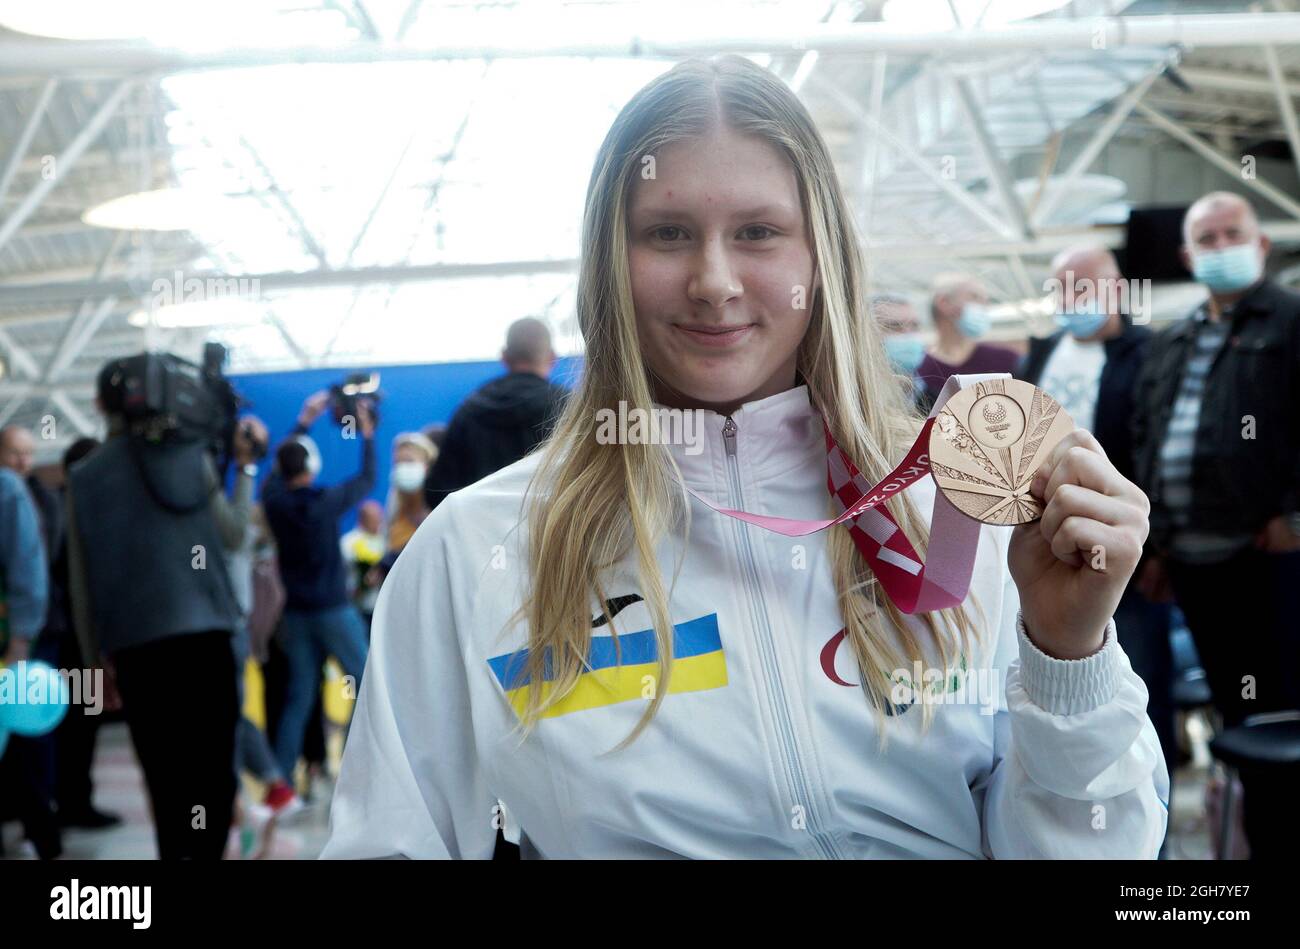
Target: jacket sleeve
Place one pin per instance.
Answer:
(1140, 418)
(23, 570)
(232, 515)
(1078, 771)
(410, 783)
(343, 497)
(83, 618)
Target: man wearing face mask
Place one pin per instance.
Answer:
(1090, 365)
(960, 307)
(900, 330)
(1217, 449)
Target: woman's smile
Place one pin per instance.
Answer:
(715, 337)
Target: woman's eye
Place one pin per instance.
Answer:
(756, 232)
(669, 233)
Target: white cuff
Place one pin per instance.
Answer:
(1069, 686)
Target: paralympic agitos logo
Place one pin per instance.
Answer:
(829, 651)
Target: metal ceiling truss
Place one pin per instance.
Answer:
(901, 108)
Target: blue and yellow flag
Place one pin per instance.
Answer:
(698, 664)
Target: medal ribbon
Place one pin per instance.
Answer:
(914, 586)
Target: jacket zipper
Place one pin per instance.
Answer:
(796, 781)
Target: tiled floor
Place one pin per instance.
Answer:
(119, 788)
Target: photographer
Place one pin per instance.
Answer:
(319, 620)
(150, 591)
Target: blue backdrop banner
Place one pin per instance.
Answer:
(414, 397)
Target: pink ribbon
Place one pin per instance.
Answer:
(914, 586)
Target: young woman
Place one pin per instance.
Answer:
(576, 648)
(413, 453)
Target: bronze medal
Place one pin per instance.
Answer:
(986, 444)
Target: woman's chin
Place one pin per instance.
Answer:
(709, 394)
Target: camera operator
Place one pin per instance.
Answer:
(319, 619)
(147, 523)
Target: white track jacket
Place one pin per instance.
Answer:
(765, 746)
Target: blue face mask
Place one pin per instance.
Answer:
(905, 351)
(974, 320)
(1084, 320)
(1227, 269)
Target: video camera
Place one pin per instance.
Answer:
(165, 399)
(357, 389)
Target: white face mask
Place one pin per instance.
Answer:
(974, 320)
(408, 476)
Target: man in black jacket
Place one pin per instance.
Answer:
(1090, 366)
(503, 420)
(1217, 449)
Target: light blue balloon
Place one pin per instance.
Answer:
(33, 718)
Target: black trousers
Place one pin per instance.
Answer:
(1244, 615)
(74, 744)
(178, 697)
(27, 791)
(28, 775)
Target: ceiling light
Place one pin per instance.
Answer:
(168, 209)
(230, 311)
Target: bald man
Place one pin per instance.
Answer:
(1217, 449)
(959, 306)
(18, 453)
(17, 450)
(504, 419)
(1090, 365)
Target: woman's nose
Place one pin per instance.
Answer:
(713, 280)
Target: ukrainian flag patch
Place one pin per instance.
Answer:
(698, 664)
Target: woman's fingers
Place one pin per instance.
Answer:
(1075, 500)
(1092, 514)
(1081, 541)
(1079, 459)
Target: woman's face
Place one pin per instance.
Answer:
(407, 453)
(721, 269)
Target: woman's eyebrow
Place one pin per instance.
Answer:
(765, 210)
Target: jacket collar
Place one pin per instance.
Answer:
(772, 436)
(1258, 302)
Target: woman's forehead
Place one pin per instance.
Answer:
(721, 172)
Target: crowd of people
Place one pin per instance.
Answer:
(1203, 415)
(172, 591)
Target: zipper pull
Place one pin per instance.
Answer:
(729, 435)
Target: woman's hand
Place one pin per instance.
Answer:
(1071, 566)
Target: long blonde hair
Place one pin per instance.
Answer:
(590, 505)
